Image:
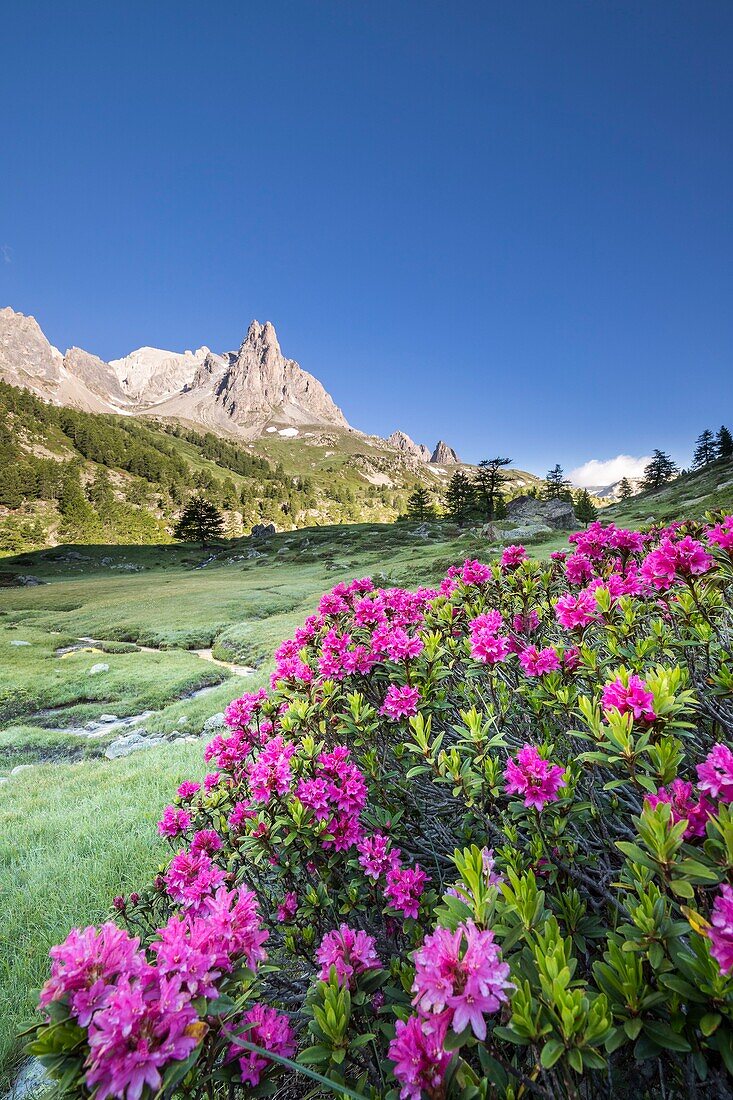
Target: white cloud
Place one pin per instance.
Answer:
(600, 473)
(7, 253)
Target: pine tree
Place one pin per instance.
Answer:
(79, 521)
(419, 505)
(459, 497)
(625, 489)
(556, 487)
(201, 521)
(705, 450)
(488, 485)
(723, 443)
(659, 471)
(585, 509)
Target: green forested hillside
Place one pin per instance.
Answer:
(70, 476)
(688, 496)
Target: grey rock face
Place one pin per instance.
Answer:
(262, 385)
(100, 667)
(443, 455)
(558, 514)
(402, 442)
(26, 357)
(132, 742)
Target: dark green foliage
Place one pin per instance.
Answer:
(488, 486)
(723, 443)
(705, 450)
(556, 486)
(585, 509)
(201, 521)
(625, 489)
(419, 504)
(659, 471)
(460, 497)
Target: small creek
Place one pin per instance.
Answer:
(131, 731)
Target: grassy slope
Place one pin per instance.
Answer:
(687, 497)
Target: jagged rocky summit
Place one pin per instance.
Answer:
(402, 442)
(245, 391)
(443, 455)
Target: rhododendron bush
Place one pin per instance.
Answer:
(476, 841)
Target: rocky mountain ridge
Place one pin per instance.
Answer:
(246, 393)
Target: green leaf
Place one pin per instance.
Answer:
(552, 1051)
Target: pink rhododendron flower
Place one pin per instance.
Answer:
(404, 889)
(538, 662)
(400, 702)
(474, 572)
(186, 949)
(488, 647)
(715, 774)
(174, 821)
(578, 569)
(534, 778)
(420, 1060)
(512, 557)
(576, 611)
(233, 920)
(525, 624)
(633, 698)
(206, 840)
(188, 790)
(240, 712)
(141, 1029)
(722, 534)
(571, 658)
(461, 974)
(350, 952)
(266, 1028)
(720, 932)
(684, 807)
(190, 877)
(377, 856)
(87, 963)
(489, 621)
(271, 772)
(288, 907)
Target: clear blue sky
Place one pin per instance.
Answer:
(508, 225)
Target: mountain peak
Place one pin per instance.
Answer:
(443, 455)
(402, 442)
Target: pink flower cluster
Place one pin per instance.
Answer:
(263, 1027)
(576, 612)
(139, 1016)
(487, 645)
(721, 534)
(715, 774)
(337, 794)
(349, 952)
(684, 807)
(630, 697)
(538, 662)
(512, 557)
(672, 561)
(403, 885)
(536, 779)
(459, 979)
(720, 932)
(400, 702)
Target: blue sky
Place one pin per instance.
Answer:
(508, 225)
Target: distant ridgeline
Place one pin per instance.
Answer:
(72, 476)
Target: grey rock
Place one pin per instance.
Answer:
(99, 667)
(131, 742)
(556, 514)
(27, 580)
(106, 561)
(254, 554)
(263, 530)
(443, 455)
(17, 642)
(32, 1080)
(402, 442)
(108, 718)
(215, 722)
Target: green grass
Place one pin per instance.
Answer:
(48, 884)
